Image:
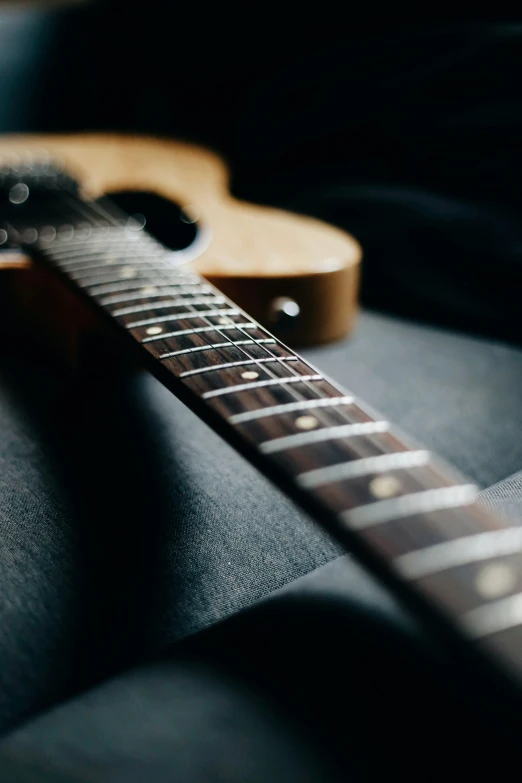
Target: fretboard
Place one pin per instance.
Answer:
(410, 517)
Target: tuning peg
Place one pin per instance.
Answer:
(38, 168)
(19, 193)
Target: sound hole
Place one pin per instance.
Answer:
(163, 218)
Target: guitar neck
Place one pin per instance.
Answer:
(407, 515)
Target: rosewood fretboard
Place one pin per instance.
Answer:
(394, 503)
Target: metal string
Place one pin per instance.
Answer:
(89, 210)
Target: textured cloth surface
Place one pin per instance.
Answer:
(302, 686)
(126, 524)
(505, 496)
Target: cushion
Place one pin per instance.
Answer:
(127, 525)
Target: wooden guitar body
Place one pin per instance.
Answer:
(262, 258)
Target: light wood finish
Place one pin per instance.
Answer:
(256, 253)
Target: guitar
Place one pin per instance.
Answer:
(408, 516)
(294, 274)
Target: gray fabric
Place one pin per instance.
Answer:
(506, 497)
(127, 525)
(173, 721)
(302, 684)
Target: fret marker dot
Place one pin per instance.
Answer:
(224, 320)
(152, 330)
(126, 272)
(19, 193)
(83, 231)
(29, 235)
(494, 580)
(383, 487)
(48, 234)
(149, 290)
(250, 375)
(306, 423)
(66, 232)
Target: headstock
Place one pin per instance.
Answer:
(36, 190)
(30, 186)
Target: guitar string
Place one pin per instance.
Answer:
(317, 393)
(77, 208)
(89, 210)
(165, 267)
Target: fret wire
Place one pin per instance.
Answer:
(297, 395)
(180, 302)
(226, 337)
(243, 363)
(117, 235)
(74, 241)
(293, 392)
(289, 407)
(81, 259)
(78, 246)
(198, 348)
(108, 232)
(187, 316)
(277, 358)
(460, 551)
(316, 392)
(324, 434)
(260, 384)
(140, 281)
(198, 330)
(424, 502)
(111, 228)
(355, 468)
(495, 617)
(68, 258)
(106, 261)
(253, 361)
(136, 285)
(121, 298)
(83, 280)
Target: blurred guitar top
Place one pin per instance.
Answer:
(294, 274)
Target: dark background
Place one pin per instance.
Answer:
(404, 132)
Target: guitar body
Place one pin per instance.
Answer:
(260, 257)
